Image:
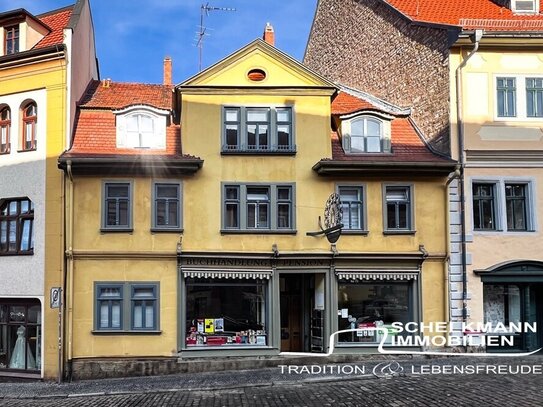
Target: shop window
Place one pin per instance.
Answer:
(398, 208)
(30, 120)
(166, 206)
(11, 40)
(5, 128)
(117, 207)
(222, 312)
(353, 207)
(258, 207)
(20, 335)
(126, 307)
(371, 305)
(16, 226)
(258, 130)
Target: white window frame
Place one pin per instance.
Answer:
(385, 136)
(534, 10)
(520, 98)
(500, 202)
(159, 117)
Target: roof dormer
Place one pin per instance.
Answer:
(20, 31)
(525, 6)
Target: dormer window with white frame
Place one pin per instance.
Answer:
(141, 127)
(365, 133)
(525, 6)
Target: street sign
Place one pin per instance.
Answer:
(55, 297)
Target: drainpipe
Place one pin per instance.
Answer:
(68, 278)
(475, 38)
(452, 176)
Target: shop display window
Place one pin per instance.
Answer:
(371, 305)
(20, 335)
(223, 312)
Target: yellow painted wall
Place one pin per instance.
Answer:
(51, 76)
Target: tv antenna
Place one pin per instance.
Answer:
(204, 12)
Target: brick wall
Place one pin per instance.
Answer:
(368, 45)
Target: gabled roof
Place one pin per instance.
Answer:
(299, 72)
(469, 14)
(56, 20)
(409, 152)
(94, 149)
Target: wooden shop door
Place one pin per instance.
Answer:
(291, 312)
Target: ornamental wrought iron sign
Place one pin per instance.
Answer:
(333, 218)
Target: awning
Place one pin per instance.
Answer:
(262, 274)
(377, 275)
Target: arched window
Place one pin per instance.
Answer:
(5, 126)
(16, 224)
(30, 118)
(140, 130)
(366, 134)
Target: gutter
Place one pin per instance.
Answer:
(33, 55)
(334, 167)
(476, 38)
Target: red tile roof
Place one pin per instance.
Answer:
(56, 20)
(119, 95)
(469, 14)
(407, 144)
(95, 130)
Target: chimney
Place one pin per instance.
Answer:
(269, 35)
(167, 71)
(106, 83)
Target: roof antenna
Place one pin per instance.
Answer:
(204, 12)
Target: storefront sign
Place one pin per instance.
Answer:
(247, 262)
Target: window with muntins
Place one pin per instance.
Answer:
(126, 306)
(484, 203)
(141, 127)
(398, 208)
(352, 205)
(365, 134)
(258, 130)
(11, 40)
(519, 97)
(258, 207)
(515, 205)
(16, 227)
(167, 206)
(5, 128)
(30, 120)
(117, 206)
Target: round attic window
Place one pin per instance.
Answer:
(256, 75)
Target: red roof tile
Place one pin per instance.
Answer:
(95, 130)
(345, 103)
(56, 21)
(469, 14)
(119, 95)
(407, 145)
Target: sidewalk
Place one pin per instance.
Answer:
(276, 376)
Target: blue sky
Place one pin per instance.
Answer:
(133, 36)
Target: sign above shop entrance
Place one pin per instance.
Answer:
(333, 218)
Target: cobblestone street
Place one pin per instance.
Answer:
(414, 386)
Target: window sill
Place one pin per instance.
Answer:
(165, 230)
(121, 332)
(119, 230)
(27, 151)
(258, 152)
(355, 232)
(30, 253)
(5, 152)
(399, 232)
(257, 232)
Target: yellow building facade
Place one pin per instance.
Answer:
(217, 250)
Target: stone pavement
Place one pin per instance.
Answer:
(408, 383)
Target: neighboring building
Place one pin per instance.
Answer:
(46, 62)
(478, 66)
(173, 259)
